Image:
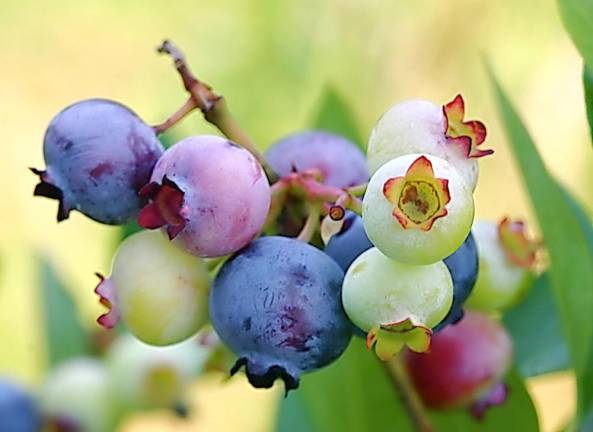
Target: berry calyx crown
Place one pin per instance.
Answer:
(389, 339)
(419, 198)
(164, 208)
(467, 135)
(518, 248)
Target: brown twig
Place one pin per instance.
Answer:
(408, 395)
(212, 105)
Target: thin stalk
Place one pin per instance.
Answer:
(408, 395)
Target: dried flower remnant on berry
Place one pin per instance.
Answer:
(419, 198)
(468, 135)
(518, 248)
(389, 339)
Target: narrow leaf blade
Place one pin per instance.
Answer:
(588, 85)
(571, 261)
(577, 16)
(65, 336)
(334, 115)
(535, 316)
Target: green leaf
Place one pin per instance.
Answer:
(571, 261)
(577, 16)
(334, 115)
(64, 335)
(352, 395)
(537, 315)
(516, 414)
(588, 84)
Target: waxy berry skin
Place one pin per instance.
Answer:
(209, 194)
(465, 364)
(417, 209)
(18, 410)
(277, 305)
(345, 246)
(419, 126)
(396, 303)
(99, 154)
(149, 377)
(339, 161)
(463, 266)
(502, 282)
(159, 291)
(76, 396)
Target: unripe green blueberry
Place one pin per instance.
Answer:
(77, 395)
(506, 259)
(419, 126)
(417, 209)
(396, 303)
(159, 291)
(148, 377)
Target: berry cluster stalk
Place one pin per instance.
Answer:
(409, 396)
(212, 105)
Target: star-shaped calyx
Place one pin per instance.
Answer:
(389, 339)
(518, 248)
(165, 207)
(419, 198)
(467, 135)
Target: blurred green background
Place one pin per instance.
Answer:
(271, 59)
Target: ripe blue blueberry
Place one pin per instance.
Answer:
(99, 154)
(345, 246)
(463, 266)
(277, 305)
(18, 410)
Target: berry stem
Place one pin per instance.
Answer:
(312, 223)
(408, 395)
(176, 117)
(212, 105)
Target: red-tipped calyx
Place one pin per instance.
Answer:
(518, 248)
(467, 135)
(48, 189)
(495, 396)
(106, 291)
(419, 198)
(164, 208)
(389, 339)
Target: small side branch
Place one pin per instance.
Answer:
(212, 105)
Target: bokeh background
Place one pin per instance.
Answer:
(271, 59)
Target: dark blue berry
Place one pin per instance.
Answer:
(345, 246)
(277, 305)
(463, 266)
(99, 154)
(18, 410)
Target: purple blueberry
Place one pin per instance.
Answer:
(277, 305)
(340, 162)
(345, 246)
(463, 266)
(18, 410)
(208, 194)
(99, 154)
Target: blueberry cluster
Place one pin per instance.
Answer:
(393, 259)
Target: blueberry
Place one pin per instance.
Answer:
(276, 304)
(463, 266)
(99, 154)
(345, 246)
(18, 410)
(340, 162)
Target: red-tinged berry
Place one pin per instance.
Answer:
(465, 365)
(208, 194)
